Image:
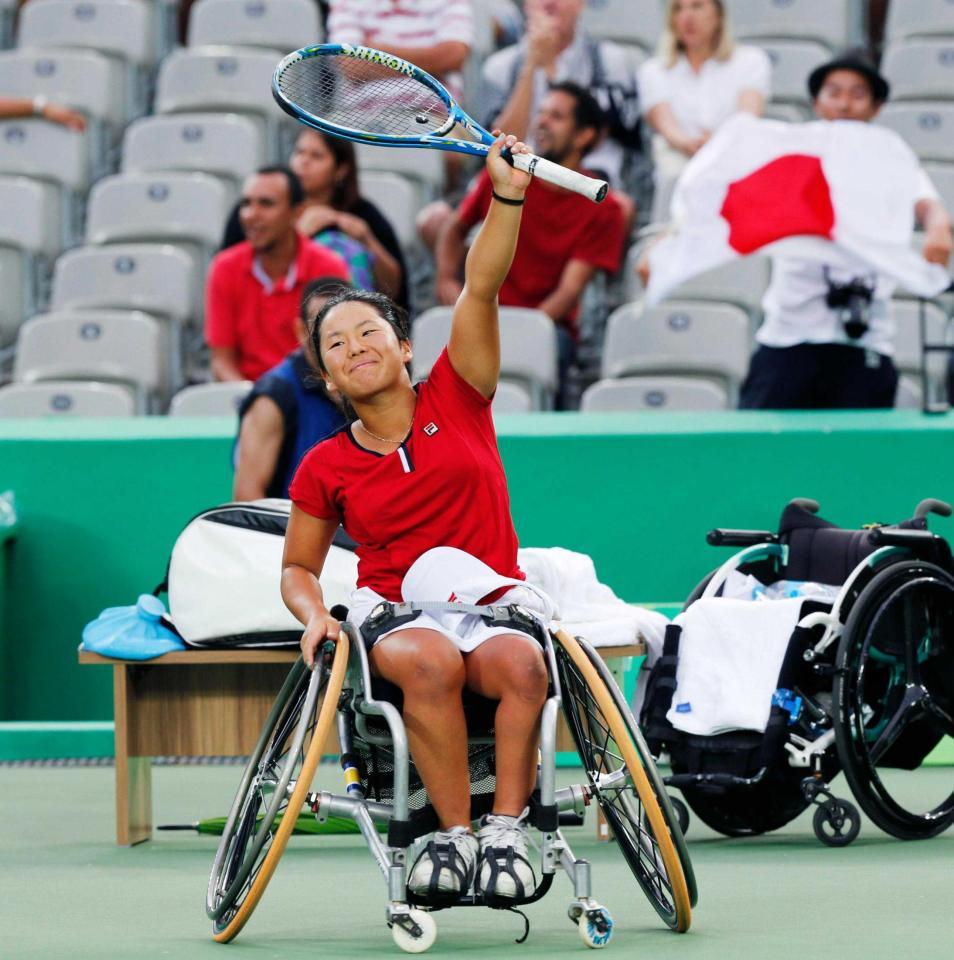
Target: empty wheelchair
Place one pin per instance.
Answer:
(866, 683)
(383, 795)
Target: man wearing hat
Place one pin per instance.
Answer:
(826, 340)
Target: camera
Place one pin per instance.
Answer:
(852, 301)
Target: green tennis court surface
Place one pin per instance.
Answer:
(67, 891)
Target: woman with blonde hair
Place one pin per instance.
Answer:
(698, 79)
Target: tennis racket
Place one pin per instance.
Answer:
(373, 97)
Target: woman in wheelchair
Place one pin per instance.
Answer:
(417, 469)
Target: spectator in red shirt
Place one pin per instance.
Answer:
(254, 288)
(564, 238)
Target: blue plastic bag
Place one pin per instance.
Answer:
(131, 633)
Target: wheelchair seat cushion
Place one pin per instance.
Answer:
(818, 550)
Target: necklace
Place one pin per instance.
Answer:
(385, 439)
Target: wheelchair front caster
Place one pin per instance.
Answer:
(414, 931)
(594, 923)
(836, 822)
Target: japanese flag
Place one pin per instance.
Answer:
(840, 193)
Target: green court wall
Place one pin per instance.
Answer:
(100, 503)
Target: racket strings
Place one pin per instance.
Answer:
(364, 96)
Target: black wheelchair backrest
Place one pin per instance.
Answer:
(819, 551)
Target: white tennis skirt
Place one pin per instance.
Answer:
(467, 631)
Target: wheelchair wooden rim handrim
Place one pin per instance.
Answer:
(670, 856)
(326, 716)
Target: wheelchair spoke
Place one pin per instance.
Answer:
(910, 709)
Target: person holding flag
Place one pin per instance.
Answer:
(833, 203)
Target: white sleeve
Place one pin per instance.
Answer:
(754, 70)
(456, 22)
(926, 189)
(344, 22)
(652, 84)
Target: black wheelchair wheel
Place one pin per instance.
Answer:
(894, 694)
(836, 823)
(609, 742)
(272, 791)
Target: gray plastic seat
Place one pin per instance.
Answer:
(920, 69)
(8, 9)
(835, 23)
(512, 398)
(398, 199)
(654, 393)
(786, 112)
(919, 18)
(112, 346)
(678, 337)
(942, 176)
(618, 20)
(909, 395)
(15, 284)
(281, 25)
(424, 167)
(73, 398)
(927, 126)
(210, 399)
(528, 348)
(223, 79)
(181, 208)
(792, 62)
(907, 338)
(229, 146)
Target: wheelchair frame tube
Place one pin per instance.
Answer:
(759, 552)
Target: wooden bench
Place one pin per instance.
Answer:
(197, 703)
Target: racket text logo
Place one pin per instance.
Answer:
(378, 56)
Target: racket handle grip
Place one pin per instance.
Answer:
(560, 176)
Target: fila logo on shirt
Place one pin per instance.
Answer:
(431, 429)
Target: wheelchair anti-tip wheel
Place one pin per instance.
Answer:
(625, 782)
(894, 694)
(273, 790)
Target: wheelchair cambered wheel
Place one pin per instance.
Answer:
(273, 788)
(634, 801)
(894, 694)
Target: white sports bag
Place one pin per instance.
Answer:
(224, 574)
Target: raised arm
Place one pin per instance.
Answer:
(307, 542)
(474, 346)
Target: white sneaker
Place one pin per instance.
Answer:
(504, 870)
(446, 865)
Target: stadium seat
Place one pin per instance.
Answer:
(16, 294)
(528, 348)
(741, 282)
(919, 18)
(30, 225)
(229, 79)
(124, 29)
(281, 25)
(83, 79)
(424, 167)
(210, 399)
(157, 278)
(927, 127)
(678, 337)
(654, 393)
(188, 209)
(617, 20)
(8, 9)
(907, 340)
(792, 62)
(223, 145)
(920, 69)
(112, 346)
(50, 153)
(786, 112)
(942, 176)
(512, 398)
(909, 395)
(74, 398)
(398, 199)
(835, 23)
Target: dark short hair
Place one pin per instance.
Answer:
(587, 113)
(320, 287)
(296, 192)
(385, 306)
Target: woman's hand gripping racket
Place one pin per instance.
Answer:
(373, 97)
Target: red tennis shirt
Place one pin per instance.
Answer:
(246, 310)
(443, 487)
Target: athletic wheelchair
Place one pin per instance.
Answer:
(866, 684)
(384, 797)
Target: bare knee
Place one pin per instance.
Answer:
(527, 679)
(422, 666)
